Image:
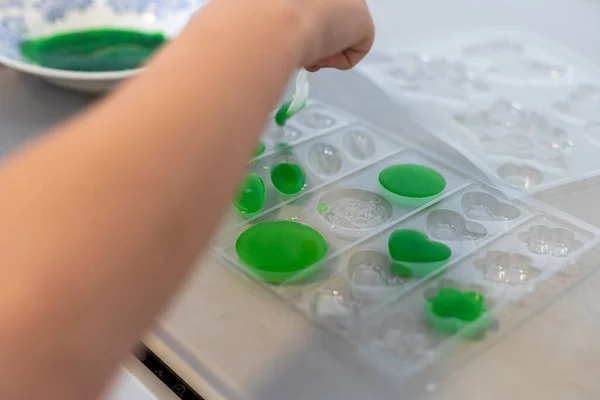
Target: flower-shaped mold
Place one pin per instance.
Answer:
(370, 274)
(414, 255)
(359, 144)
(509, 268)
(314, 118)
(325, 159)
(483, 206)
(445, 283)
(454, 312)
(450, 225)
(334, 303)
(583, 104)
(508, 129)
(520, 176)
(436, 76)
(352, 212)
(557, 242)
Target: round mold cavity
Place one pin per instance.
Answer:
(315, 119)
(359, 144)
(353, 212)
(520, 176)
(288, 176)
(325, 159)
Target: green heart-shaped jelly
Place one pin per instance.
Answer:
(412, 181)
(413, 254)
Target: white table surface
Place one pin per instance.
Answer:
(247, 344)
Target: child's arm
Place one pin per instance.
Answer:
(102, 218)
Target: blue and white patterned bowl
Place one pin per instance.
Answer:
(22, 19)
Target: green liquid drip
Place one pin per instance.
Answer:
(278, 250)
(288, 178)
(414, 246)
(260, 149)
(282, 114)
(412, 180)
(97, 50)
(452, 303)
(252, 196)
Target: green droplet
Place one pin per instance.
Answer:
(260, 149)
(412, 180)
(281, 116)
(252, 196)
(294, 218)
(93, 50)
(288, 178)
(279, 251)
(322, 207)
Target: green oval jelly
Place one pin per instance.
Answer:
(252, 196)
(94, 50)
(412, 180)
(288, 178)
(281, 251)
(260, 149)
(281, 116)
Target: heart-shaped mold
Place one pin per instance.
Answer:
(509, 268)
(483, 206)
(325, 159)
(353, 211)
(370, 274)
(415, 255)
(359, 144)
(314, 118)
(520, 176)
(411, 184)
(450, 225)
(558, 242)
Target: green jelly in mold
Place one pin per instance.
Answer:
(453, 311)
(288, 178)
(281, 251)
(252, 196)
(260, 149)
(95, 50)
(411, 184)
(413, 254)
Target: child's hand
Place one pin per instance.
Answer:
(341, 33)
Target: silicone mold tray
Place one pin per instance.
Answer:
(501, 250)
(523, 109)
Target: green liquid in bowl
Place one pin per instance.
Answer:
(97, 50)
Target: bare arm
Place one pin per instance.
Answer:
(101, 220)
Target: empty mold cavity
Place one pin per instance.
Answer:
(520, 176)
(558, 242)
(483, 206)
(334, 303)
(314, 118)
(493, 51)
(524, 68)
(285, 134)
(325, 159)
(508, 268)
(353, 211)
(583, 104)
(359, 144)
(449, 225)
(370, 274)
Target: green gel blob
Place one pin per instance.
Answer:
(322, 207)
(412, 180)
(96, 50)
(252, 196)
(281, 251)
(413, 254)
(452, 311)
(260, 149)
(288, 178)
(281, 116)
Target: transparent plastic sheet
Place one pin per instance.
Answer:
(519, 106)
(503, 246)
